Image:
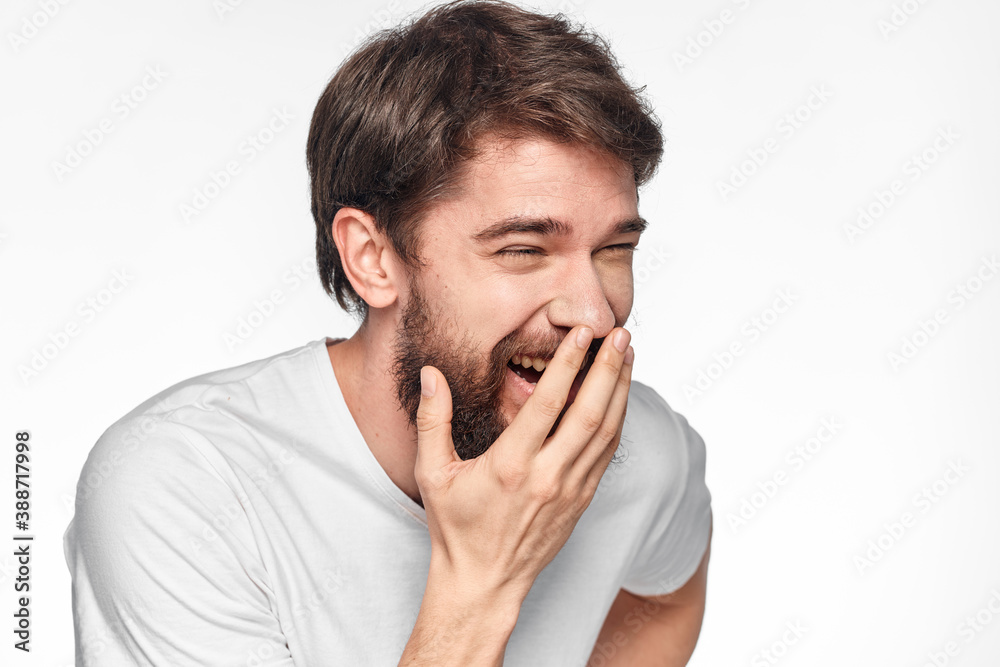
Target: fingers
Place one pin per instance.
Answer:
(594, 475)
(588, 416)
(435, 448)
(594, 460)
(534, 420)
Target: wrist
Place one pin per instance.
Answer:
(461, 622)
(476, 589)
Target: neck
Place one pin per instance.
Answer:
(362, 365)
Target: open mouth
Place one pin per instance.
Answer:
(531, 369)
(528, 373)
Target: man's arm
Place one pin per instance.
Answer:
(461, 623)
(657, 631)
(497, 520)
(158, 579)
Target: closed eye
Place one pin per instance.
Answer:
(521, 252)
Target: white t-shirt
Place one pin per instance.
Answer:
(239, 518)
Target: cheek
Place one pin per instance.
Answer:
(487, 308)
(505, 302)
(619, 287)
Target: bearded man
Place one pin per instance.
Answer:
(456, 483)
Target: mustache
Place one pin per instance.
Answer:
(545, 349)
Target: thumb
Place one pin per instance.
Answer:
(435, 448)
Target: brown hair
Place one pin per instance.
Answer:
(403, 113)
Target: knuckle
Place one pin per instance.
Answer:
(585, 498)
(608, 432)
(545, 489)
(568, 362)
(426, 421)
(590, 421)
(424, 479)
(607, 364)
(548, 407)
(511, 476)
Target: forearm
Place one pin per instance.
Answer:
(461, 624)
(654, 632)
(647, 633)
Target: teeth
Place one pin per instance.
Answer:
(529, 362)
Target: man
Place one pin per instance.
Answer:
(433, 490)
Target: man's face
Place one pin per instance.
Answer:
(488, 294)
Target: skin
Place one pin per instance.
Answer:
(477, 384)
(484, 304)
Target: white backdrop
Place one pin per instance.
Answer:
(817, 292)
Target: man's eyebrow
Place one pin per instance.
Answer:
(547, 227)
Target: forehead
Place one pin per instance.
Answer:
(536, 178)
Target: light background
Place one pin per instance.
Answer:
(855, 298)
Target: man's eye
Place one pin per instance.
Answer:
(515, 252)
(522, 252)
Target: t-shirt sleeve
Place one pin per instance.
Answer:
(165, 569)
(681, 520)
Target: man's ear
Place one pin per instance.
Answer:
(366, 256)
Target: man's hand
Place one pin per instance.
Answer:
(497, 520)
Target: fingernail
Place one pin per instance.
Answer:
(629, 355)
(428, 383)
(621, 339)
(583, 337)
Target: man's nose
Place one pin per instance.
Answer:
(581, 300)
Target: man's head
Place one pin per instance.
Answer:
(475, 114)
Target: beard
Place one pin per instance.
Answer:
(476, 386)
(476, 380)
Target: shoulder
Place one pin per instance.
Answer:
(249, 382)
(186, 423)
(172, 454)
(135, 463)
